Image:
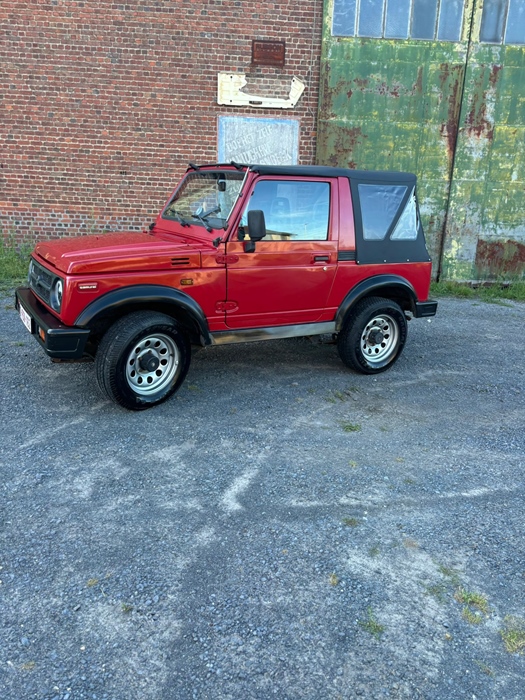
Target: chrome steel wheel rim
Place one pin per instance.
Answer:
(379, 339)
(160, 350)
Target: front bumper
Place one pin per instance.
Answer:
(59, 341)
(425, 308)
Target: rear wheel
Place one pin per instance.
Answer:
(142, 360)
(373, 336)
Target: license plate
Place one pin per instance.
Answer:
(26, 318)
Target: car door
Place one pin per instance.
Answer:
(287, 279)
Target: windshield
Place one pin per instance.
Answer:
(205, 198)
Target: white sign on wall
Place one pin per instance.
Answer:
(254, 140)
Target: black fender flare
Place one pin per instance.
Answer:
(390, 286)
(142, 295)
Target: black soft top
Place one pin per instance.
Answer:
(327, 171)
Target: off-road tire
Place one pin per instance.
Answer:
(142, 360)
(373, 335)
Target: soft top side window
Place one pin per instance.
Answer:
(294, 210)
(379, 206)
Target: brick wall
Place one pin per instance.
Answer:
(103, 104)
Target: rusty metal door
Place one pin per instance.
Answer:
(409, 85)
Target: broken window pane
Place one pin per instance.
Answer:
(379, 206)
(450, 20)
(492, 21)
(516, 23)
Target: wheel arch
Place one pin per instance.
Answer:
(391, 287)
(104, 311)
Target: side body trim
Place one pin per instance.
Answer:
(272, 333)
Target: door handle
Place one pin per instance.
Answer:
(321, 258)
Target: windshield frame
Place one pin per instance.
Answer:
(197, 206)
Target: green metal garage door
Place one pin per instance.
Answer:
(435, 87)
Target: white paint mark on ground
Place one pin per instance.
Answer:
(229, 499)
(48, 433)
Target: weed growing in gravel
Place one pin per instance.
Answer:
(473, 600)
(92, 582)
(451, 574)
(351, 522)
(126, 608)
(474, 605)
(513, 634)
(374, 551)
(484, 668)
(350, 427)
(437, 591)
(471, 616)
(334, 579)
(371, 624)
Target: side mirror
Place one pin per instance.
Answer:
(256, 229)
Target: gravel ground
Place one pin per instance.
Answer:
(281, 528)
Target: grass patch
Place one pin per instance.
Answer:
(350, 427)
(450, 573)
(351, 522)
(484, 668)
(473, 600)
(515, 291)
(371, 625)
(334, 579)
(475, 606)
(374, 551)
(14, 261)
(513, 634)
(438, 591)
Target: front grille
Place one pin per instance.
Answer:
(41, 281)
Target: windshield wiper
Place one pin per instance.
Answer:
(202, 218)
(182, 221)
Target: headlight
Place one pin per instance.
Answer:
(56, 294)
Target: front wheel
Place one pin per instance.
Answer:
(142, 360)
(373, 336)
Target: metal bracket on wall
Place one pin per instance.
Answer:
(229, 92)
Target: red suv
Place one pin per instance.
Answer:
(238, 253)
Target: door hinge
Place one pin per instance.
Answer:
(226, 259)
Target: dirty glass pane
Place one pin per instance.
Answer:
(424, 19)
(406, 227)
(450, 20)
(370, 18)
(344, 18)
(492, 21)
(397, 19)
(516, 23)
(379, 205)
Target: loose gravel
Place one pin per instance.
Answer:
(281, 528)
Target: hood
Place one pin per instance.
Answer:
(118, 252)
